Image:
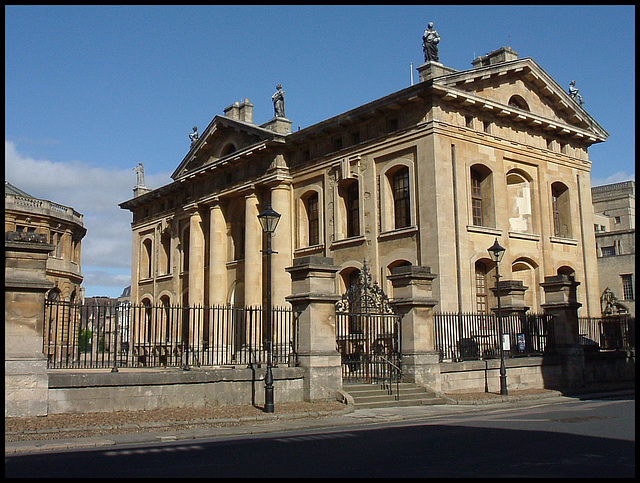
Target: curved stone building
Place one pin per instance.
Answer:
(63, 228)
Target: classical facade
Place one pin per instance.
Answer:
(614, 207)
(61, 226)
(430, 175)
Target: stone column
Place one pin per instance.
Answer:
(412, 299)
(252, 252)
(313, 282)
(561, 302)
(26, 381)
(196, 259)
(281, 244)
(217, 255)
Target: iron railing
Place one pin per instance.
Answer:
(460, 337)
(607, 333)
(125, 335)
(367, 343)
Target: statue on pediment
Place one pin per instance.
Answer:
(194, 135)
(573, 92)
(278, 101)
(430, 40)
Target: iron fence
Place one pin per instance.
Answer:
(607, 333)
(461, 337)
(126, 335)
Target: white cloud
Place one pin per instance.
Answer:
(95, 193)
(614, 178)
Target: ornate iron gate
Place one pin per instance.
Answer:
(368, 333)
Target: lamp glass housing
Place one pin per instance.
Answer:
(269, 219)
(496, 252)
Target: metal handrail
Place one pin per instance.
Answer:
(399, 372)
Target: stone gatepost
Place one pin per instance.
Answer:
(511, 297)
(26, 383)
(313, 282)
(412, 299)
(561, 302)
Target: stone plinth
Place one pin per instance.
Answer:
(281, 125)
(26, 381)
(412, 298)
(430, 70)
(561, 302)
(511, 297)
(315, 298)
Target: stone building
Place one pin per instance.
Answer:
(614, 207)
(61, 226)
(430, 176)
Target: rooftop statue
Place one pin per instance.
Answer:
(573, 92)
(194, 135)
(278, 101)
(139, 174)
(430, 40)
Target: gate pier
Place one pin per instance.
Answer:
(315, 299)
(413, 300)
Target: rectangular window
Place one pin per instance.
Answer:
(337, 144)
(609, 251)
(487, 126)
(616, 219)
(476, 198)
(401, 202)
(627, 287)
(314, 220)
(355, 137)
(353, 210)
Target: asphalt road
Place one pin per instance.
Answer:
(565, 438)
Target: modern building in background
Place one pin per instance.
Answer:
(614, 207)
(62, 227)
(430, 175)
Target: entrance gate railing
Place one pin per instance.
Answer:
(368, 334)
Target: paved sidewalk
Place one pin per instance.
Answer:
(64, 432)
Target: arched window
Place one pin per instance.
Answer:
(526, 272)
(228, 149)
(397, 196)
(313, 219)
(309, 219)
(481, 196)
(561, 208)
(168, 324)
(165, 256)
(519, 102)
(519, 203)
(348, 224)
(482, 287)
(146, 258)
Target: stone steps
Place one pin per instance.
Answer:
(374, 396)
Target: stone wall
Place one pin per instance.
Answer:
(143, 390)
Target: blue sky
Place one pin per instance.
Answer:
(92, 91)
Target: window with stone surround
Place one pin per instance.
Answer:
(627, 287)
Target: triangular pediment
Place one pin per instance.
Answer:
(223, 138)
(522, 90)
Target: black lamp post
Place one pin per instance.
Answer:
(269, 221)
(497, 252)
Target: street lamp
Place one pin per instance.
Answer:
(496, 252)
(269, 221)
